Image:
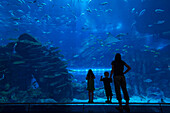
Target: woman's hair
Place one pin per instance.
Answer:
(90, 73)
(118, 57)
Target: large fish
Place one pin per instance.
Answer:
(121, 35)
(110, 39)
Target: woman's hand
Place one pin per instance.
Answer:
(86, 78)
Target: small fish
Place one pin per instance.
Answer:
(62, 7)
(155, 55)
(21, 1)
(146, 50)
(64, 73)
(125, 45)
(153, 51)
(57, 75)
(43, 4)
(12, 12)
(159, 10)
(18, 62)
(46, 32)
(1, 6)
(102, 57)
(12, 39)
(15, 18)
(108, 10)
(95, 9)
(62, 85)
(160, 22)
(157, 69)
(133, 10)
(75, 56)
(30, 1)
(124, 50)
(94, 58)
(148, 80)
(146, 46)
(69, 5)
(88, 10)
(142, 12)
(104, 3)
(166, 33)
(20, 11)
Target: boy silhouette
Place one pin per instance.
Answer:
(107, 87)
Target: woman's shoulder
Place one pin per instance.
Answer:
(123, 62)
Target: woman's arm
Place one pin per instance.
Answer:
(128, 68)
(112, 71)
(86, 78)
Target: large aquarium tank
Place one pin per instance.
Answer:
(48, 46)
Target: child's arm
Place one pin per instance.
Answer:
(110, 80)
(101, 79)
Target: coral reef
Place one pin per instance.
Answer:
(26, 59)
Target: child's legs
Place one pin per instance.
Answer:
(110, 98)
(107, 98)
(89, 95)
(92, 95)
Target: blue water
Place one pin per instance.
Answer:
(90, 32)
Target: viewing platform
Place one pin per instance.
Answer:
(82, 107)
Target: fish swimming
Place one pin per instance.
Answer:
(159, 10)
(104, 3)
(160, 22)
(142, 12)
(133, 10)
(110, 39)
(18, 62)
(148, 80)
(121, 35)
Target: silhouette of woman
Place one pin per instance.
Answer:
(119, 80)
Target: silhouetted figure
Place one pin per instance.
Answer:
(119, 81)
(90, 85)
(107, 87)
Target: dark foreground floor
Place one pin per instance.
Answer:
(82, 107)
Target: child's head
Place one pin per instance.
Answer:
(90, 73)
(106, 74)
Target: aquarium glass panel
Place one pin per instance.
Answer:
(47, 48)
